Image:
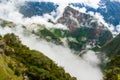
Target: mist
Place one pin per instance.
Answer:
(83, 68)
(10, 11)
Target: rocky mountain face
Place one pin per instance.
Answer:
(81, 26)
(110, 10)
(84, 25)
(107, 8)
(83, 30)
(74, 19)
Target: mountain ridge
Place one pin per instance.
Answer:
(106, 9)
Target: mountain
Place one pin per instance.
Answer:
(110, 10)
(107, 8)
(83, 29)
(112, 71)
(18, 62)
(112, 47)
(60, 54)
(65, 31)
(112, 50)
(37, 8)
(83, 25)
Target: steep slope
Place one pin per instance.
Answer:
(5, 71)
(83, 30)
(22, 63)
(83, 25)
(110, 10)
(112, 50)
(112, 71)
(112, 47)
(107, 8)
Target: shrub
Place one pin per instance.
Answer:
(10, 65)
(17, 71)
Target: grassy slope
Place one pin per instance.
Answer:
(36, 66)
(112, 49)
(5, 72)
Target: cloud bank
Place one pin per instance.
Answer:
(83, 68)
(9, 11)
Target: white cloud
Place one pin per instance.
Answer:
(83, 68)
(100, 19)
(118, 28)
(9, 11)
(91, 58)
(82, 10)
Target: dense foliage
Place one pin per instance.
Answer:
(112, 49)
(31, 64)
(113, 69)
(76, 40)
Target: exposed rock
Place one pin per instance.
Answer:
(84, 25)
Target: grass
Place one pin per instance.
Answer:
(5, 72)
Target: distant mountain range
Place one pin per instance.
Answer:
(110, 10)
(37, 8)
(112, 50)
(82, 30)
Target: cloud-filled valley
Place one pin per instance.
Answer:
(85, 67)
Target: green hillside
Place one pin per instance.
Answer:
(112, 50)
(18, 62)
(112, 47)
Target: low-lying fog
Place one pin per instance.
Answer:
(83, 68)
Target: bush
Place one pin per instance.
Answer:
(17, 71)
(10, 65)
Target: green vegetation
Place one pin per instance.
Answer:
(25, 63)
(48, 35)
(112, 47)
(5, 23)
(112, 50)
(113, 69)
(75, 38)
(57, 36)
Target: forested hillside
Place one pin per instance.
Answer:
(18, 62)
(112, 50)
